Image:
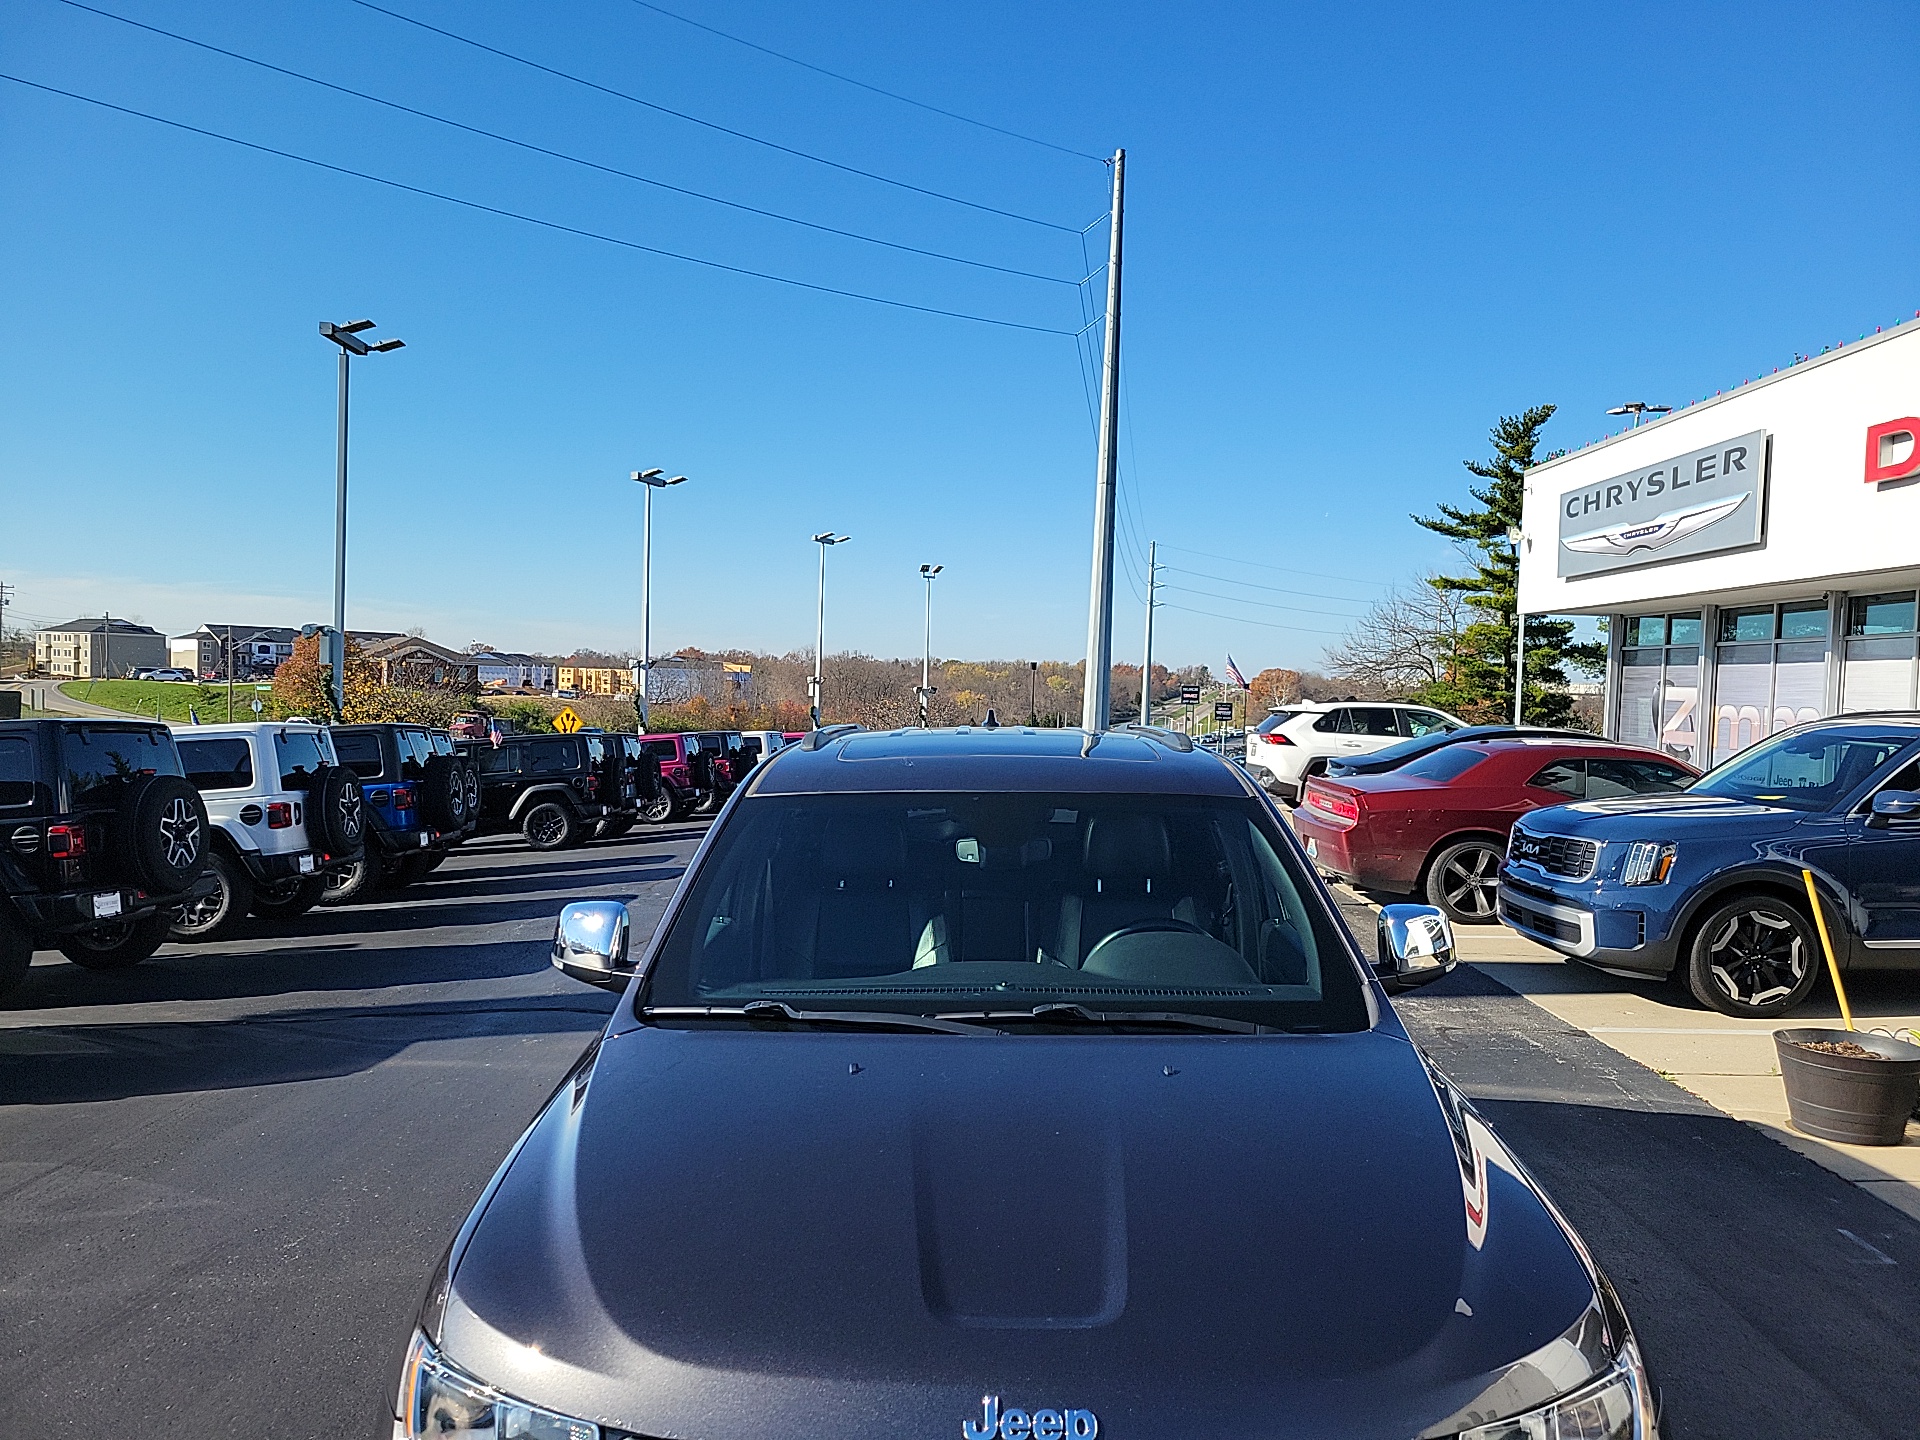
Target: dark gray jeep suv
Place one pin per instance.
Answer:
(1011, 1085)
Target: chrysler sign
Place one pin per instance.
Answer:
(1693, 504)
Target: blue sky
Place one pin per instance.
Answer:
(1356, 236)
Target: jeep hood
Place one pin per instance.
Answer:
(747, 1235)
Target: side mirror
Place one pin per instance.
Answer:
(592, 941)
(1891, 805)
(1415, 947)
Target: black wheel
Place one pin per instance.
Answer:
(118, 944)
(213, 915)
(1755, 957)
(16, 953)
(351, 881)
(470, 779)
(160, 833)
(1464, 880)
(443, 792)
(709, 803)
(662, 807)
(433, 860)
(412, 869)
(613, 827)
(550, 826)
(283, 899)
(336, 811)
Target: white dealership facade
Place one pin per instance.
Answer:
(1757, 554)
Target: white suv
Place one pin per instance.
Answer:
(1297, 741)
(285, 812)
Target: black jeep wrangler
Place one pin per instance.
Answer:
(422, 799)
(631, 781)
(101, 837)
(553, 789)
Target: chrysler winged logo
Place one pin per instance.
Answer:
(1013, 1423)
(1656, 534)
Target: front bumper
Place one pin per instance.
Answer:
(1584, 922)
(63, 912)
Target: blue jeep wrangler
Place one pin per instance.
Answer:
(422, 799)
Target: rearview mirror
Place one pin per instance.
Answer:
(1414, 947)
(591, 943)
(1891, 805)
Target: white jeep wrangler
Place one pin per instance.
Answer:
(284, 812)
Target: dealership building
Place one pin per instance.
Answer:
(1757, 555)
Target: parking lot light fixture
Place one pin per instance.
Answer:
(823, 540)
(650, 480)
(927, 572)
(347, 337)
(1639, 409)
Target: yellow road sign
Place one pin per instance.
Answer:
(566, 722)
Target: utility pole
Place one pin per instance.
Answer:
(1146, 653)
(1033, 692)
(347, 337)
(927, 572)
(1096, 701)
(343, 361)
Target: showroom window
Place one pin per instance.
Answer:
(1660, 683)
(1880, 656)
(1770, 672)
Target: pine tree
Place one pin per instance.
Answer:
(1480, 679)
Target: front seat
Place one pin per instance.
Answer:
(864, 921)
(1127, 869)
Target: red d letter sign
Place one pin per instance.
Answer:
(1891, 451)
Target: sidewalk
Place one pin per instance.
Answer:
(1728, 1063)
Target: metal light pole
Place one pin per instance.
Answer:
(1095, 701)
(823, 540)
(1514, 536)
(1146, 654)
(927, 572)
(1638, 409)
(347, 337)
(652, 481)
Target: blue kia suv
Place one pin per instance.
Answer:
(1710, 882)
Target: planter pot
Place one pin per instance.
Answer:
(1849, 1098)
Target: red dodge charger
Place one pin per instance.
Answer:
(1439, 823)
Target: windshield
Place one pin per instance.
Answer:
(954, 904)
(1810, 770)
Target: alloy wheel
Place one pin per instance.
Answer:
(1757, 957)
(350, 819)
(547, 829)
(180, 833)
(1471, 882)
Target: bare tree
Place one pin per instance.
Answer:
(1405, 642)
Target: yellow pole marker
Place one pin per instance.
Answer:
(1826, 944)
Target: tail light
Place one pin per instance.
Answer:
(1328, 802)
(66, 842)
(403, 797)
(1274, 737)
(279, 815)
(593, 785)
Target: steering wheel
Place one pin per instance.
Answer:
(1161, 926)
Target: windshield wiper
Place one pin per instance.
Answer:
(1066, 1012)
(779, 1010)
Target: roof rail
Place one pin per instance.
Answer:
(1172, 739)
(817, 738)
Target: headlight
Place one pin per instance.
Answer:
(1617, 1406)
(1647, 863)
(436, 1400)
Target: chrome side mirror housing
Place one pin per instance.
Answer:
(1414, 947)
(1894, 805)
(593, 942)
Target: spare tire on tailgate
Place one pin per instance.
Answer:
(159, 834)
(443, 793)
(336, 811)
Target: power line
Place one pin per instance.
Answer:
(710, 124)
(534, 219)
(1263, 624)
(1283, 569)
(862, 84)
(1263, 604)
(561, 154)
(1270, 589)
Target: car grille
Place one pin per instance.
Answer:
(1556, 854)
(1524, 916)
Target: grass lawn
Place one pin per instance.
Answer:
(175, 700)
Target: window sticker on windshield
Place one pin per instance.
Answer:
(1064, 817)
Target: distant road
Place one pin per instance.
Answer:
(45, 695)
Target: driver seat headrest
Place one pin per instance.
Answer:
(1128, 847)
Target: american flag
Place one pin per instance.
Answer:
(1233, 674)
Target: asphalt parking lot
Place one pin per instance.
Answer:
(230, 1171)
